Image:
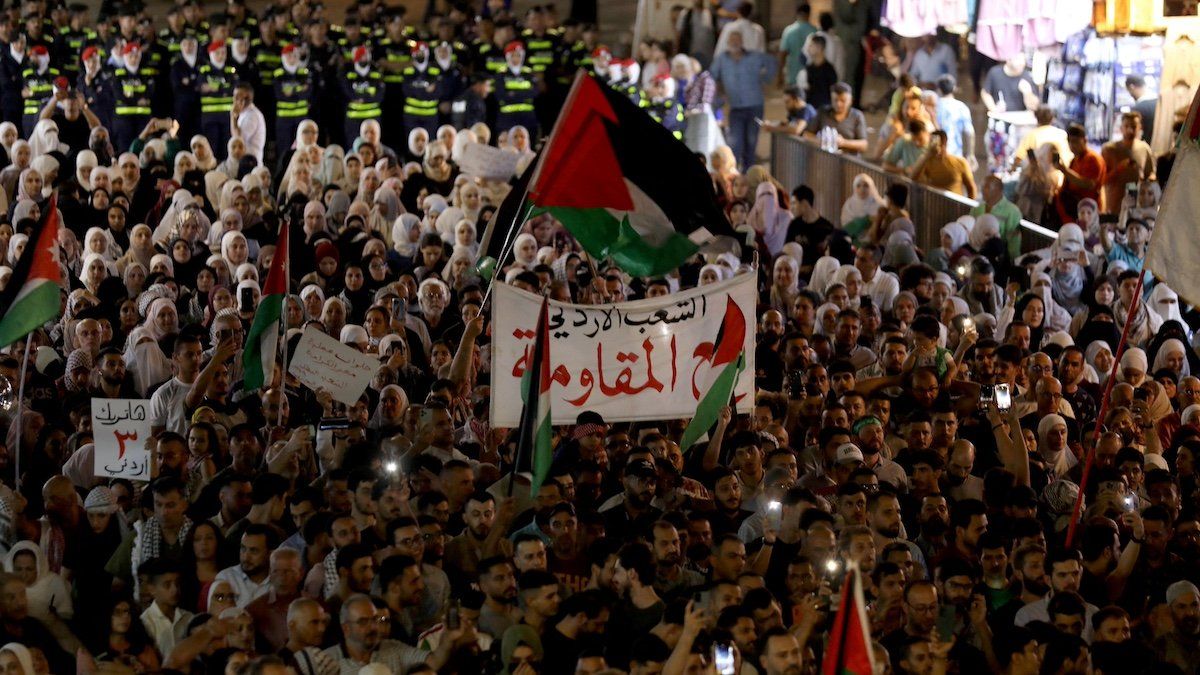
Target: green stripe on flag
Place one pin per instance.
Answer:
(717, 397)
(603, 236)
(265, 318)
(36, 305)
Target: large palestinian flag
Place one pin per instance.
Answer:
(623, 185)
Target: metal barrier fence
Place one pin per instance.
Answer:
(831, 176)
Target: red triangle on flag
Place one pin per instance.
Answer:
(45, 262)
(849, 650)
(579, 168)
(276, 282)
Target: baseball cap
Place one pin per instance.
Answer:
(847, 452)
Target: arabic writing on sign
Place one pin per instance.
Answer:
(321, 362)
(121, 429)
(592, 321)
(621, 384)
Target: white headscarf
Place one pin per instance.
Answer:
(822, 273)
(957, 232)
(44, 138)
(145, 360)
(516, 250)
(986, 227)
(857, 207)
(1169, 347)
(1165, 303)
(86, 159)
(401, 231)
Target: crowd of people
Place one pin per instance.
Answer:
(929, 418)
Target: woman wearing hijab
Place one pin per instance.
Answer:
(1030, 308)
(769, 221)
(1165, 303)
(953, 237)
(861, 206)
(8, 135)
(385, 209)
(436, 176)
(47, 593)
(1068, 281)
(822, 273)
(1144, 323)
(145, 361)
(785, 283)
(1172, 356)
(1133, 367)
(20, 157)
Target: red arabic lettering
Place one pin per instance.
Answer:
(121, 438)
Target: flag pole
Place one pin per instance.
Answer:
(20, 398)
(287, 287)
(1104, 400)
(509, 242)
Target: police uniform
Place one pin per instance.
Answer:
(515, 93)
(422, 93)
(293, 100)
(216, 103)
(396, 54)
(668, 113)
(364, 100)
(133, 94)
(185, 95)
(68, 44)
(41, 88)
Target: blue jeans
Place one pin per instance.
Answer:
(743, 134)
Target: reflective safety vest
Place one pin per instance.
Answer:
(515, 92)
(267, 58)
(220, 98)
(422, 91)
(397, 53)
(72, 43)
(364, 94)
(669, 114)
(133, 92)
(40, 86)
(292, 92)
(540, 52)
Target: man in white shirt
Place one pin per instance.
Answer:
(883, 287)
(167, 409)
(246, 121)
(754, 38)
(250, 578)
(164, 621)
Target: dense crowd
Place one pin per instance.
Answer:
(926, 417)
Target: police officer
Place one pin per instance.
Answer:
(96, 85)
(362, 85)
(453, 80)
(515, 90)
(185, 87)
(422, 91)
(217, 79)
(395, 54)
(661, 105)
(133, 91)
(72, 38)
(293, 86)
(37, 86)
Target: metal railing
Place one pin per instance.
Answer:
(831, 176)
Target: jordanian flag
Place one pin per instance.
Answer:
(849, 650)
(623, 185)
(32, 295)
(533, 448)
(726, 357)
(258, 358)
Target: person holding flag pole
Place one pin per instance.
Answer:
(258, 358)
(30, 299)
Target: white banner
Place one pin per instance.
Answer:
(120, 430)
(643, 360)
(321, 362)
(484, 161)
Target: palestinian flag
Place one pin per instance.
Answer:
(623, 185)
(726, 356)
(534, 453)
(511, 215)
(849, 650)
(32, 295)
(1174, 246)
(258, 358)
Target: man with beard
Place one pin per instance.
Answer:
(1187, 540)
(1181, 647)
(883, 517)
(364, 643)
(1066, 570)
(635, 513)
(727, 498)
(670, 574)
(968, 522)
(640, 608)
(1101, 549)
(921, 610)
(1028, 583)
(983, 363)
(779, 653)
(983, 295)
(497, 580)
(582, 617)
(483, 537)
(407, 540)
(249, 578)
(109, 378)
(869, 431)
(566, 560)
(845, 340)
(957, 480)
(933, 522)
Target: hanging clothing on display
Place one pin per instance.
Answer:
(1071, 16)
(910, 19)
(1000, 28)
(954, 15)
(1180, 77)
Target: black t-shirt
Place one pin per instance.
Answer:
(820, 80)
(813, 237)
(74, 134)
(1001, 85)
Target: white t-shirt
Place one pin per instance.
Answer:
(166, 406)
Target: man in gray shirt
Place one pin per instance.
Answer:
(849, 122)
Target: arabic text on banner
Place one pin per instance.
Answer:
(642, 360)
(321, 362)
(120, 429)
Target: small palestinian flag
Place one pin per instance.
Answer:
(849, 649)
(533, 446)
(727, 358)
(262, 343)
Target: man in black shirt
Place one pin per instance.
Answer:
(71, 113)
(820, 74)
(815, 234)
